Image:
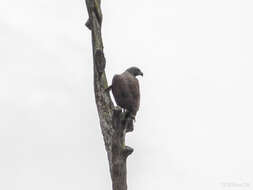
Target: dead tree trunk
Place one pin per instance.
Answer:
(112, 120)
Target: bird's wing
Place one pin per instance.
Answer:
(119, 90)
(134, 89)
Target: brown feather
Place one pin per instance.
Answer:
(125, 89)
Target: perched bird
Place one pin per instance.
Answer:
(126, 92)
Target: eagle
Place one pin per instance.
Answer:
(126, 91)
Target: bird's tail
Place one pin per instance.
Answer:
(129, 121)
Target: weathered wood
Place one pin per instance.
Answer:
(112, 120)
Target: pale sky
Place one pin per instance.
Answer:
(194, 126)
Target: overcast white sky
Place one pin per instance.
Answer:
(194, 127)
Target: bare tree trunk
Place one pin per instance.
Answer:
(113, 122)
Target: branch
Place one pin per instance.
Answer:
(113, 122)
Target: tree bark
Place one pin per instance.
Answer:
(113, 122)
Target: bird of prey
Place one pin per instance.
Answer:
(126, 92)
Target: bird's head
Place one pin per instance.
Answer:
(135, 71)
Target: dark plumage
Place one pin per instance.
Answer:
(125, 89)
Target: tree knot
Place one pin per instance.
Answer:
(127, 151)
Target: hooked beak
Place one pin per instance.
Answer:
(141, 74)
